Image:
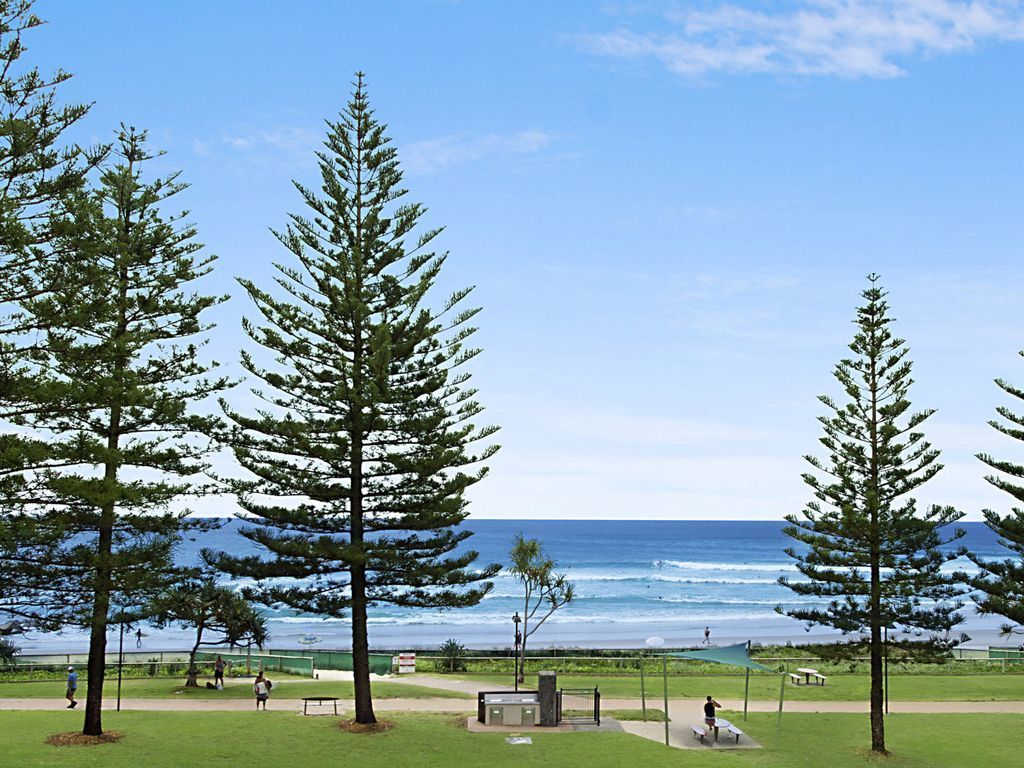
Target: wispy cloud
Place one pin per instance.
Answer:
(287, 141)
(432, 155)
(844, 38)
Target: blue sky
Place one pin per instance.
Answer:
(668, 210)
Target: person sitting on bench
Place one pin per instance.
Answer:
(709, 714)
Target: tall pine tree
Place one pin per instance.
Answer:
(361, 457)
(117, 385)
(867, 550)
(38, 170)
(1000, 583)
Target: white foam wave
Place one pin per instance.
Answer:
(693, 565)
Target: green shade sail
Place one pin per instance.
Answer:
(734, 655)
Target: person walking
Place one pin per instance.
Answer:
(262, 689)
(138, 638)
(710, 718)
(218, 673)
(707, 635)
(72, 687)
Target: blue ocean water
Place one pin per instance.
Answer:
(634, 579)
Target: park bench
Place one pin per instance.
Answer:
(735, 732)
(820, 678)
(319, 701)
(795, 678)
(699, 732)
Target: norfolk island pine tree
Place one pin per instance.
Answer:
(38, 169)
(1000, 583)
(869, 552)
(119, 381)
(361, 457)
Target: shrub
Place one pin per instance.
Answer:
(454, 654)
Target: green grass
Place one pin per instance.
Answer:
(763, 687)
(160, 688)
(653, 715)
(230, 739)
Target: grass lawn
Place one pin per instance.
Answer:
(838, 688)
(285, 687)
(223, 739)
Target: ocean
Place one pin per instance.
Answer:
(635, 580)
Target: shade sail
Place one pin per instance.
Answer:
(734, 655)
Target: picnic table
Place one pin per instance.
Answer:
(807, 672)
(319, 701)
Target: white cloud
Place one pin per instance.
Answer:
(845, 38)
(432, 155)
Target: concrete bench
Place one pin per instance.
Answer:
(699, 732)
(735, 732)
(795, 678)
(820, 678)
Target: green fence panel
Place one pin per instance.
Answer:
(380, 663)
(270, 662)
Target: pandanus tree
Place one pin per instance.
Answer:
(361, 455)
(869, 556)
(219, 615)
(544, 589)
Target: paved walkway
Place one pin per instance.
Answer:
(681, 710)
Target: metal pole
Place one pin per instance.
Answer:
(643, 691)
(746, 685)
(664, 673)
(120, 661)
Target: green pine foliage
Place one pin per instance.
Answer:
(38, 170)
(869, 556)
(1000, 583)
(114, 399)
(361, 454)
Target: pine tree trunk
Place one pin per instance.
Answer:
(96, 667)
(361, 649)
(193, 673)
(877, 710)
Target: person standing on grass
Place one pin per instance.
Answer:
(72, 687)
(262, 690)
(218, 672)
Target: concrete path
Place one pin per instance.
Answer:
(468, 687)
(680, 710)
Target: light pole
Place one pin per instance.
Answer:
(518, 640)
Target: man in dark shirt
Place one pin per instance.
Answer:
(709, 714)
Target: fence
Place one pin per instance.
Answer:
(606, 664)
(380, 663)
(270, 662)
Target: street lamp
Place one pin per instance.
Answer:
(518, 640)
